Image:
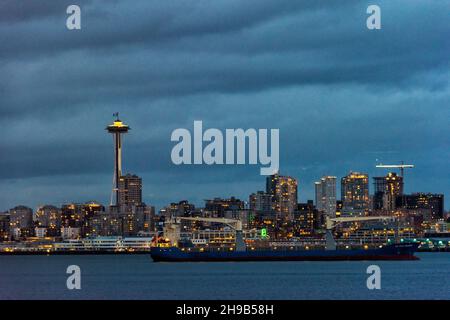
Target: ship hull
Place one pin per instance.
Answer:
(390, 252)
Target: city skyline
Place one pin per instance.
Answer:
(119, 176)
(340, 101)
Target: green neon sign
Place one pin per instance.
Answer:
(263, 232)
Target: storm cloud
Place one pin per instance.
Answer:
(344, 97)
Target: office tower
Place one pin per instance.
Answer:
(326, 196)
(355, 194)
(49, 217)
(283, 190)
(117, 128)
(130, 190)
(260, 202)
(434, 203)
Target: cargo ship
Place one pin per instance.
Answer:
(400, 251)
(172, 251)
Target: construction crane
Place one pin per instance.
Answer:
(330, 223)
(401, 166)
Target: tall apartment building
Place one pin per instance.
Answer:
(326, 196)
(283, 190)
(386, 191)
(355, 194)
(130, 190)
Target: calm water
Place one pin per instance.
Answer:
(137, 277)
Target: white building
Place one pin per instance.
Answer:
(326, 196)
(40, 232)
(70, 233)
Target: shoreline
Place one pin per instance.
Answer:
(106, 252)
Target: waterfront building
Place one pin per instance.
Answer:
(40, 232)
(130, 222)
(105, 224)
(72, 215)
(70, 232)
(355, 194)
(4, 226)
(326, 196)
(134, 220)
(75, 215)
(284, 193)
(429, 201)
(21, 222)
(106, 244)
(48, 217)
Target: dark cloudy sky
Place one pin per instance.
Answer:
(343, 97)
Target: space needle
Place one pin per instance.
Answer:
(117, 128)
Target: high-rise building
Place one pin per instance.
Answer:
(355, 194)
(326, 196)
(387, 189)
(260, 202)
(394, 188)
(284, 193)
(130, 190)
